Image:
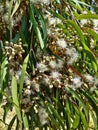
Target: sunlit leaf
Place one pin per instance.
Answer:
(86, 16)
(17, 3)
(23, 72)
(70, 90)
(36, 27)
(76, 118)
(83, 118)
(15, 98)
(25, 120)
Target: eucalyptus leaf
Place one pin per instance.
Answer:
(23, 72)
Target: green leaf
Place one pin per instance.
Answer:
(94, 119)
(95, 66)
(93, 103)
(16, 5)
(74, 94)
(86, 16)
(53, 116)
(92, 33)
(86, 50)
(76, 120)
(24, 66)
(22, 31)
(77, 2)
(25, 120)
(56, 115)
(42, 26)
(3, 71)
(79, 33)
(15, 99)
(65, 31)
(36, 28)
(68, 118)
(84, 120)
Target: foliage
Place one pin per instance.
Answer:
(49, 64)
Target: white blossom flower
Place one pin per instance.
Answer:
(84, 21)
(53, 21)
(27, 81)
(77, 82)
(35, 86)
(52, 64)
(46, 81)
(18, 74)
(95, 22)
(89, 78)
(56, 64)
(60, 64)
(41, 67)
(27, 92)
(62, 43)
(43, 115)
(26, 100)
(55, 74)
(72, 55)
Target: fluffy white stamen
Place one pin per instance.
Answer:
(62, 43)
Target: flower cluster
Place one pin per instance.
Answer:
(43, 115)
(14, 52)
(54, 70)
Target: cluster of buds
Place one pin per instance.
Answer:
(14, 52)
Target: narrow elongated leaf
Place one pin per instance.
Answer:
(57, 116)
(76, 120)
(15, 98)
(84, 121)
(52, 116)
(92, 33)
(70, 90)
(25, 120)
(94, 119)
(78, 2)
(86, 16)
(22, 30)
(87, 51)
(79, 33)
(23, 75)
(17, 3)
(68, 118)
(92, 101)
(42, 26)
(3, 71)
(35, 25)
